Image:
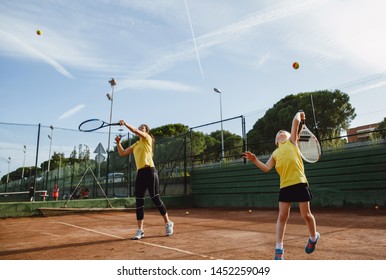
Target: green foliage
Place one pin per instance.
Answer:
(382, 126)
(169, 130)
(171, 138)
(333, 113)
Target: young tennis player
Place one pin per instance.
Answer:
(293, 184)
(147, 176)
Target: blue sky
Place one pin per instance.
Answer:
(167, 56)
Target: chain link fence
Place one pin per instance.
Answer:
(40, 157)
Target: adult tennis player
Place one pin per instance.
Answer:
(147, 176)
(293, 184)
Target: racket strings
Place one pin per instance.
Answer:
(309, 148)
(91, 125)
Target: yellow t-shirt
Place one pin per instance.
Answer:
(143, 152)
(289, 164)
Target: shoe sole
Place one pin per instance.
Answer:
(138, 238)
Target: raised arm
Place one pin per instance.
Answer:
(133, 129)
(296, 122)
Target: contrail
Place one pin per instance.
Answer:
(31, 51)
(71, 112)
(194, 40)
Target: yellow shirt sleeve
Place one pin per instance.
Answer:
(289, 164)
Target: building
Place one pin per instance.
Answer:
(361, 133)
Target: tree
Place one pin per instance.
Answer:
(382, 127)
(58, 160)
(169, 130)
(84, 152)
(73, 153)
(333, 114)
(233, 144)
(169, 140)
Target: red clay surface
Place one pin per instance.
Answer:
(203, 234)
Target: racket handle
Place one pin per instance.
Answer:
(301, 125)
(302, 122)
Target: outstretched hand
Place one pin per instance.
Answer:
(249, 156)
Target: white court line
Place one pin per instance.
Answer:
(139, 241)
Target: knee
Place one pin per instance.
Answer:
(156, 200)
(140, 202)
(283, 217)
(307, 216)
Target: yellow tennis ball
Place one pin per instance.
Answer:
(187, 212)
(250, 211)
(295, 65)
(39, 32)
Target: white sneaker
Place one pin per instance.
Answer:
(139, 234)
(169, 228)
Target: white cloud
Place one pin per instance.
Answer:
(184, 51)
(369, 87)
(155, 84)
(71, 112)
(22, 48)
(263, 60)
(343, 32)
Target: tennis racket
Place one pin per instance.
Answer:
(308, 144)
(94, 124)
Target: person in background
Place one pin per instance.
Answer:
(31, 193)
(84, 193)
(55, 193)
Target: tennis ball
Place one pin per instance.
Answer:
(39, 32)
(187, 212)
(295, 65)
(250, 211)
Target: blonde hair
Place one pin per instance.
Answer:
(277, 134)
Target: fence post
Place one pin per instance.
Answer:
(243, 133)
(36, 160)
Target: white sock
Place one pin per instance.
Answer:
(279, 245)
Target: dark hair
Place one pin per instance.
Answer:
(151, 135)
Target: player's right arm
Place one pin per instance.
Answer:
(122, 152)
(265, 167)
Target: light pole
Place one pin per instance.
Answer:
(222, 130)
(9, 166)
(49, 153)
(112, 82)
(25, 151)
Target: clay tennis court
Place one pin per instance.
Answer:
(203, 234)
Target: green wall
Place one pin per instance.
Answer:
(27, 209)
(355, 177)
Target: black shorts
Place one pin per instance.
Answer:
(295, 193)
